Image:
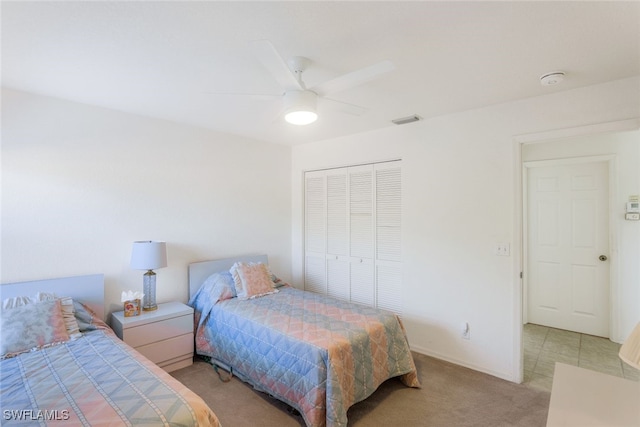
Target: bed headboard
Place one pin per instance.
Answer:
(199, 271)
(88, 290)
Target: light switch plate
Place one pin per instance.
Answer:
(503, 249)
(632, 216)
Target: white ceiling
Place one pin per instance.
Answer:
(163, 59)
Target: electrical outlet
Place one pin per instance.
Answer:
(466, 332)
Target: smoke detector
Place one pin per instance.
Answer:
(552, 78)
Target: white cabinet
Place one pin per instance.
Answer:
(580, 397)
(164, 336)
(352, 233)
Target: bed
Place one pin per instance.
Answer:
(85, 376)
(317, 354)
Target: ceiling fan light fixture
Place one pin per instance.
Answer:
(301, 118)
(300, 107)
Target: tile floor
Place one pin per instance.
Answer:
(543, 346)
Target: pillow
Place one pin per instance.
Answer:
(78, 317)
(278, 282)
(15, 302)
(252, 280)
(87, 319)
(217, 287)
(31, 326)
(221, 285)
(68, 312)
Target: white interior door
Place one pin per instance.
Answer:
(568, 246)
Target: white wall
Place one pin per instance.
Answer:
(80, 184)
(460, 187)
(625, 242)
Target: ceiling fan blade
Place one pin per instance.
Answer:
(256, 96)
(354, 110)
(354, 78)
(271, 59)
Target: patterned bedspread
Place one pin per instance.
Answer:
(318, 354)
(95, 380)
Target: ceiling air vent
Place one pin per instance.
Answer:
(405, 120)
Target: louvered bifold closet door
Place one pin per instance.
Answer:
(361, 234)
(388, 214)
(353, 231)
(315, 222)
(337, 234)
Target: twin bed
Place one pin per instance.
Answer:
(94, 379)
(317, 354)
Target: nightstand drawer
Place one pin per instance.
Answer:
(169, 349)
(153, 332)
(164, 336)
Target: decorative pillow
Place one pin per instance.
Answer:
(31, 326)
(15, 302)
(252, 280)
(86, 318)
(68, 312)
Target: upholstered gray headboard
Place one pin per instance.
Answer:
(88, 290)
(199, 271)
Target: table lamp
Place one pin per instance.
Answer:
(149, 255)
(630, 350)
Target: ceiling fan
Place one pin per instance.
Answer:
(300, 102)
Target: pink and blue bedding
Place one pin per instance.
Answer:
(95, 380)
(318, 354)
(67, 367)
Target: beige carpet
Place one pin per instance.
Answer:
(451, 396)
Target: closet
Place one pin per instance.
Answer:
(352, 234)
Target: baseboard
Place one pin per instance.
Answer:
(502, 375)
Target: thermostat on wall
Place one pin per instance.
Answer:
(633, 209)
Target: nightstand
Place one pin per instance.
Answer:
(164, 336)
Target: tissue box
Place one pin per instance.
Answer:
(132, 308)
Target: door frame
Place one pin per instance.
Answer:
(518, 231)
(611, 231)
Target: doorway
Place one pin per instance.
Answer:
(617, 144)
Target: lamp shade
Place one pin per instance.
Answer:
(630, 350)
(148, 255)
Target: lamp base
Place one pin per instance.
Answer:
(149, 289)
